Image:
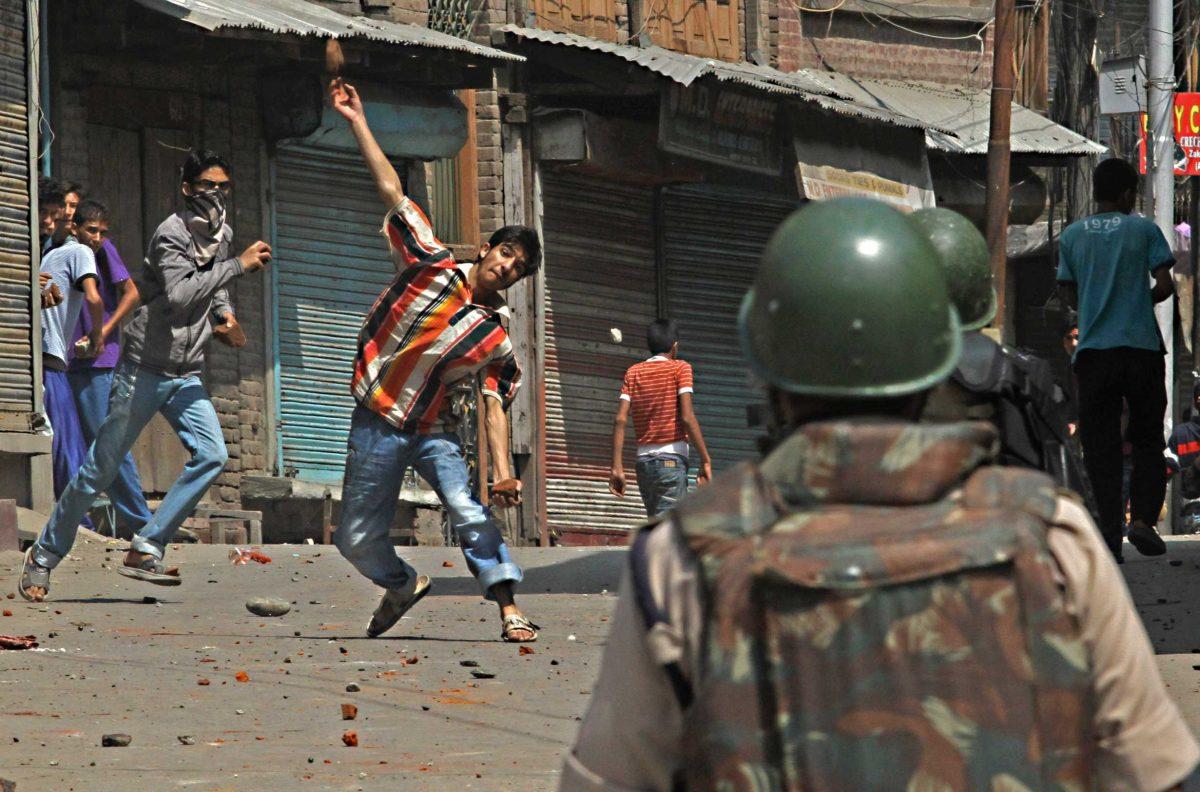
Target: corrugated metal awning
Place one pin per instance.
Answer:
(302, 18)
(956, 118)
(686, 69)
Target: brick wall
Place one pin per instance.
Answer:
(236, 376)
(847, 42)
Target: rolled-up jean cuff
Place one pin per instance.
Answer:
(142, 545)
(45, 558)
(500, 573)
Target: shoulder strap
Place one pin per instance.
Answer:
(652, 614)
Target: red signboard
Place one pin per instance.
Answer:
(1186, 117)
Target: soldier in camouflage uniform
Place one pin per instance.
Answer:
(1013, 390)
(874, 606)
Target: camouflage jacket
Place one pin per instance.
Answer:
(883, 614)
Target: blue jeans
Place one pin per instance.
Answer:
(91, 388)
(137, 394)
(378, 455)
(662, 481)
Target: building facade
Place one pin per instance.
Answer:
(654, 146)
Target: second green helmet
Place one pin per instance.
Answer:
(850, 302)
(963, 254)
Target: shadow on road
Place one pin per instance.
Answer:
(589, 573)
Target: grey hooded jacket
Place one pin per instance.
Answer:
(171, 328)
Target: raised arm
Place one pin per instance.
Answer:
(346, 101)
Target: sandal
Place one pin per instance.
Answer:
(514, 622)
(394, 604)
(33, 575)
(151, 570)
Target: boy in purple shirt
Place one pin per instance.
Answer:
(91, 377)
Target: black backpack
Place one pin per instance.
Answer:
(1031, 411)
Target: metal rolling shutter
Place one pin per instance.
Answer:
(16, 293)
(600, 274)
(331, 265)
(712, 239)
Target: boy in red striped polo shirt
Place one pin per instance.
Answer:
(437, 324)
(659, 392)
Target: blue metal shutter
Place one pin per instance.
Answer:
(713, 238)
(16, 278)
(330, 265)
(599, 274)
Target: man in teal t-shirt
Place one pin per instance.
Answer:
(1106, 263)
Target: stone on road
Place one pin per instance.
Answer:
(268, 606)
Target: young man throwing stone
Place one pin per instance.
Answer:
(436, 324)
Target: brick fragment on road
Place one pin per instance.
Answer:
(349, 711)
(17, 642)
(350, 738)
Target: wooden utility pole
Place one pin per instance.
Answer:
(998, 158)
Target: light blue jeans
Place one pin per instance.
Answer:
(377, 457)
(138, 393)
(91, 387)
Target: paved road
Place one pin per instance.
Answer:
(111, 663)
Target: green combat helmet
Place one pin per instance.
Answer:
(963, 253)
(850, 302)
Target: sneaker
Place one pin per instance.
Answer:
(1146, 539)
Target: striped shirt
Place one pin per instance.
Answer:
(653, 387)
(424, 333)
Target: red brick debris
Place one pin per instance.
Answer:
(18, 642)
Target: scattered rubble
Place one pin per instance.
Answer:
(115, 740)
(353, 687)
(242, 676)
(186, 739)
(349, 711)
(350, 738)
